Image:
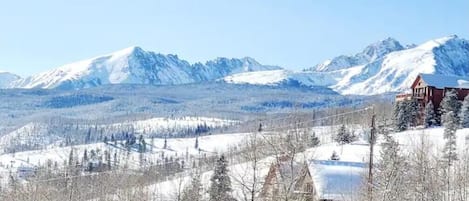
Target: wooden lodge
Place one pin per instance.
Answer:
(429, 87)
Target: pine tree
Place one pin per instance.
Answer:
(196, 142)
(412, 111)
(335, 156)
(400, 116)
(70, 158)
(430, 117)
(344, 136)
(450, 103)
(260, 128)
(193, 191)
(85, 156)
(464, 113)
(165, 145)
(451, 124)
(220, 187)
(314, 140)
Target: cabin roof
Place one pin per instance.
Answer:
(336, 179)
(444, 81)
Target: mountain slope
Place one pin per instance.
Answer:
(136, 66)
(7, 78)
(382, 67)
(369, 54)
(397, 70)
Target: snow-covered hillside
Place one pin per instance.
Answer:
(397, 70)
(7, 78)
(137, 66)
(356, 152)
(37, 135)
(385, 66)
(371, 53)
(382, 67)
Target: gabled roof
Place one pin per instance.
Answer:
(337, 180)
(445, 81)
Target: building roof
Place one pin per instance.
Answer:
(337, 180)
(445, 81)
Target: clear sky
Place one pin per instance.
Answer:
(39, 35)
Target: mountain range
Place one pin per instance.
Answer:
(382, 67)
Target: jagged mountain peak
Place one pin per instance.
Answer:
(380, 48)
(393, 70)
(6, 78)
(447, 40)
(134, 65)
(371, 53)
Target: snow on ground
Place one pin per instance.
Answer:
(180, 146)
(239, 173)
(355, 153)
(260, 77)
(161, 124)
(434, 136)
(40, 133)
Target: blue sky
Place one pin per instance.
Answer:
(39, 35)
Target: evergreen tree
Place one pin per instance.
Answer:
(335, 156)
(105, 140)
(430, 116)
(412, 111)
(88, 136)
(70, 158)
(314, 140)
(193, 191)
(450, 103)
(85, 156)
(344, 136)
(165, 145)
(196, 142)
(260, 128)
(400, 116)
(220, 187)
(451, 124)
(464, 113)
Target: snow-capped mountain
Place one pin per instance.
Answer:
(137, 66)
(385, 66)
(369, 54)
(396, 71)
(7, 78)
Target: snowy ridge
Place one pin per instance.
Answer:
(49, 135)
(134, 65)
(7, 78)
(397, 70)
(370, 53)
(383, 67)
(260, 77)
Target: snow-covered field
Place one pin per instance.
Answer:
(45, 134)
(356, 152)
(175, 146)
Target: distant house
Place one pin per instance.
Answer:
(314, 181)
(288, 179)
(429, 87)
